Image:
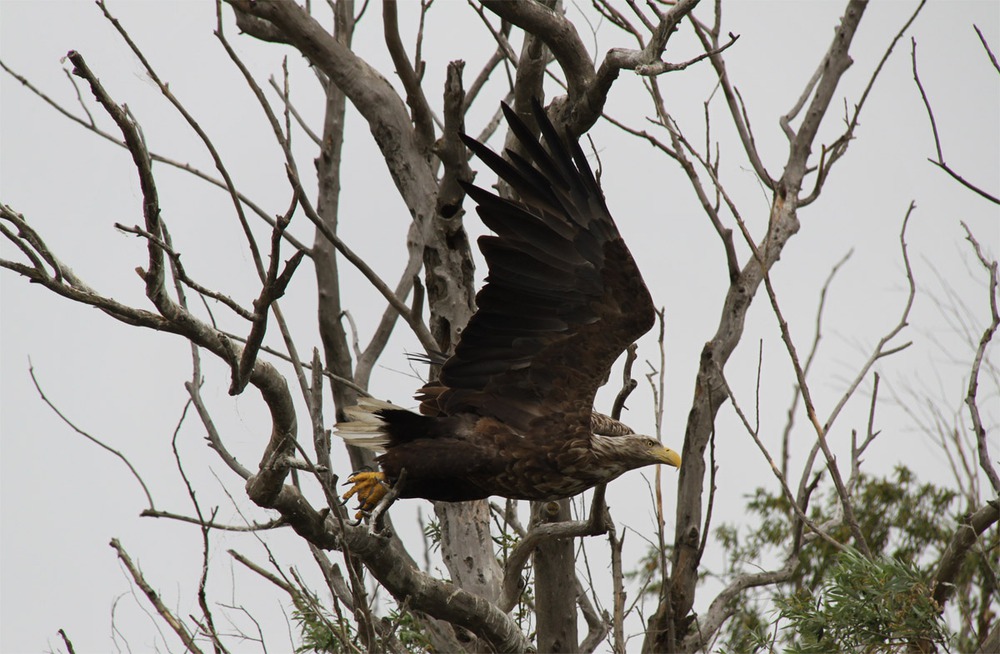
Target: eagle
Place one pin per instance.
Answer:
(511, 413)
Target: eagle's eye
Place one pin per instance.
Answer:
(651, 443)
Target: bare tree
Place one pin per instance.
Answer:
(493, 599)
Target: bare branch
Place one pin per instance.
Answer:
(628, 384)
(940, 162)
(724, 604)
(870, 435)
(518, 557)
(450, 149)
(985, 462)
(782, 225)
(154, 598)
(777, 473)
(154, 274)
(277, 523)
(832, 153)
(91, 126)
(710, 43)
(837, 61)
(413, 321)
(821, 431)
(986, 46)
(817, 336)
(168, 94)
(597, 624)
(273, 288)
(633, 60)
(965, 536)
(181, 274)
(483, 76)
(558, 34)
(212, 434)
(135, 473)
(291, 108)
(647, 61)
(414, 93)
(66, 641)
(368, 90)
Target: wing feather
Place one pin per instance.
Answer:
(563, 297)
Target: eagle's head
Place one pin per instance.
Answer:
(631, 451)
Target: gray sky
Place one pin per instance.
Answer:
(63, 498)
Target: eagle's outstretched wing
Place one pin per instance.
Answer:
(563, 298)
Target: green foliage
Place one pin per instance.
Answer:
(863, 606)
(325, 633)
(834, 602)
(321, 632)
(750, 632)
(432, 534)
(408, 631)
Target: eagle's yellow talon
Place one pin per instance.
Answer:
(369, 487)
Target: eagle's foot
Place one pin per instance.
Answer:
(370, 488)
(376, 526)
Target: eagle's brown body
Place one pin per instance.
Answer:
(466, 457)
(511, 413)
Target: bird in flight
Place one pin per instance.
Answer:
(511, 413)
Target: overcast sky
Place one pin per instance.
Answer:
(63, 498)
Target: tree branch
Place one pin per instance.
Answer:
(985, 461)
(411, 83)
(154, 598)
(782, 225)
(965, 536)
(940, 162)
(135, 473)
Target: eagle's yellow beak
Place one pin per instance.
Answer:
(668, 456)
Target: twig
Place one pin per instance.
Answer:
(597, 624)
(209, 626)
(273, 578)
(415, 98)
(940, 162)
(870, 435)
(618, 594)
(986, 46)
(181, 273)
(628, 384)
(66, 641)
(272, 289)
(294, 112)
(91, 126)
(774, 468)
(817, 336)
(212, 434)
(477, 84)
(723, 606)
(135, 473)
(155, 600)
(376, 528)
(879, 352)
(710, 43)
(821, 431)
(510, 589)
(968, 532)
(985, 462)
(212, 524)
(216, 158)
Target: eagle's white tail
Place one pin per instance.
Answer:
(364, 428)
